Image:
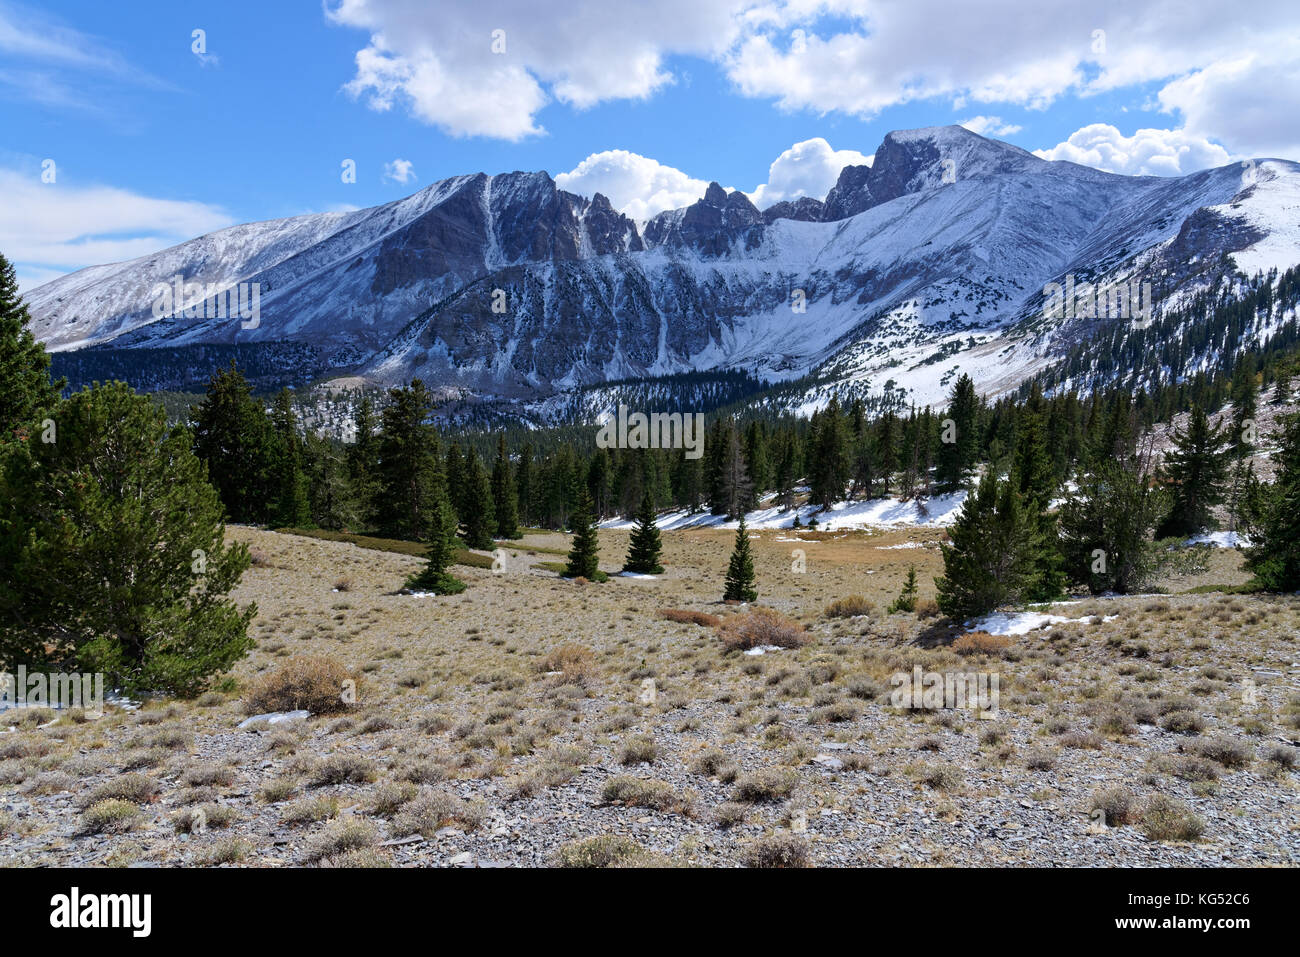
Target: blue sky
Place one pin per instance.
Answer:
(153, 143)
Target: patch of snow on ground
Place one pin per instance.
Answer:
(1220, 540)
(1023, 622)
(936, 512)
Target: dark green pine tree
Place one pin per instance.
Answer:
(644, 547)
(26, 391)
(995, 557)
(333, 504)
(1106, 526)
(434, 577)
(1244, 395)
(787, 467)
(479, 517)
(599, 470)
(756, 457)
(1196, 470)
(958, 442)
(716, 446)
(735, 488)
(112, 551)
(740, 570)
(455, 473)
(235, 439)
(906, 600)
(292, 505)
(363, 465)
(887, 450)
(408, 465)
(1034, 472)
(505, 501)
(862, 464)
(687, 481)
(524, 485)
(1271, 518)
(829, 469)
(584, 555)
(1282, 389)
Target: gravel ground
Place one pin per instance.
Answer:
(472, 744)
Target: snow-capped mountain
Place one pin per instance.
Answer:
(934, 260)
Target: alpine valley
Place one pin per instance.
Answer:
(513, 297)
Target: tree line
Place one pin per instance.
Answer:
(113, 556)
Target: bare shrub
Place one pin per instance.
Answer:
(572, 662)
(777, 850)
(312, 683)
(762, 627)
(1120, 805)
(1167, 819)
(981, 643)
(849, 607)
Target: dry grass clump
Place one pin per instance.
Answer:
(228, 850)
(343, 836)
(777, 850)
(311, 810)
(762, 626)
(559, 766)
(432, 810)
(981, 643)
(572, 663)
(1167, 819)
(314, 683)
(1221, 749)
(134, 788)
(604, 850)
(926, 608)
(766, 784)
(638, 749)
(191, 820)
(1183, 722)
(16, 748)
(716, 763)
(390, 796)
(850, 607)
(209, 775)
(686, 617)
(342, 769)
(940, 777)
(1120, 805)
(640, 792)
(109, 817)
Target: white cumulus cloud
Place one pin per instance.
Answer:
(1148, 152)
(1250, 102)
(636, 185)
(640, 187)
(489, 68)
(809, 168)
(399, 171)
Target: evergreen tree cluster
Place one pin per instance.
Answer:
(112, 544)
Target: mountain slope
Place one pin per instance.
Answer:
(930, 262)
